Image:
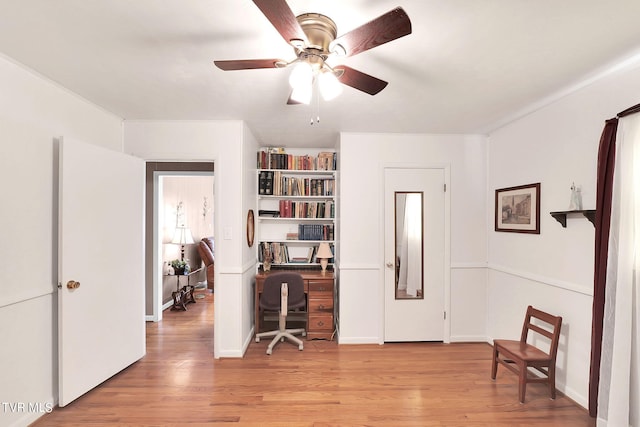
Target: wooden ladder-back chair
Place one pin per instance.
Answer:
(519, 356)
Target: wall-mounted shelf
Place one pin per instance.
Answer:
(561, 216)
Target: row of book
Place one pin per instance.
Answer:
(293, 209)
(278, 159)
(315, 232)
(274, 183)
(278, 253)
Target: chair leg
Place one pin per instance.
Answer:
(494, 363)
(522, 382)
(286, 334)
(552, 382)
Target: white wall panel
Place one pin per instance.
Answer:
(468, 299)
(362, 161)
(555, 145)
(361, 306)
(33, 113)
(221, 142)
(509, 296)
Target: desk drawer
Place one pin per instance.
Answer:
(320, 305)
(320, 322)
(321, 286)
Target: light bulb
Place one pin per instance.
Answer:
(330, 86)
(301, 75)
(302, 94)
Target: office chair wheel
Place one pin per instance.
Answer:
(269, 351)
(257, 339)
(300, 347)
(304, 333)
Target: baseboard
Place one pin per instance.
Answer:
(247, 341)
(359, 340)
(469, 338)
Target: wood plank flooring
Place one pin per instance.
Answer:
(179, 383)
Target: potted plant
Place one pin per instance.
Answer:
(179, 266)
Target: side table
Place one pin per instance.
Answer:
(183, 296)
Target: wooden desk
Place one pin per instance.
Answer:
(319, 290)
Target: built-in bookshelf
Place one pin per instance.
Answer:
(296, 206)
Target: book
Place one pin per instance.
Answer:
(268, 186)
(262, 183)
(277, 158)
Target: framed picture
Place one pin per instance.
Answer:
(518, 209)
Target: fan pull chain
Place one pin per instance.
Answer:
(315, 86)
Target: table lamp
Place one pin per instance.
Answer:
(324, 253)
(182, 237)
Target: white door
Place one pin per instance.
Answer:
(414, 254)
(101, 327)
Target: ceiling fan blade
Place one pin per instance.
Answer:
(359, 80)
(246, 64)
(283, 19)
(385, 28)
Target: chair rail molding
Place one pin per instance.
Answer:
(573, 287)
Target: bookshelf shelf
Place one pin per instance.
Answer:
(296, 197)
(280, 219)
(282, 196)
(301, 242)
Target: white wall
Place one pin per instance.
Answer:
(33, 113)
(249, 201)
(556, 145)
(362, 161)
(222, 143)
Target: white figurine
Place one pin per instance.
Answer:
(576, 198)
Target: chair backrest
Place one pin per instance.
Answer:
(270, 297)
(205, 248)
(552, 332)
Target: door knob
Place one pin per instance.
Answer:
(72, 284)
(389, 265)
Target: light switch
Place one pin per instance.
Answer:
(228, 235)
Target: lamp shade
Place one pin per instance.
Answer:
(301, 75)
(302, 94)
(324, 251)
(330, 87)
(182, 236)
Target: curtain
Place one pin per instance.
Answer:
(606, 161)
(619, 383)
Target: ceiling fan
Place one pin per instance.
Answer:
(313, 38)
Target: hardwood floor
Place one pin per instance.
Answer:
(179, 383)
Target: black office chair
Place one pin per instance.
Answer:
(283, 291)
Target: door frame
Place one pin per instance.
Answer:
(446, 169)
(153, 264)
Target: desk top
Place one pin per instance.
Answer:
(306, 273)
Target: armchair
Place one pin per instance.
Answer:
(206, 251)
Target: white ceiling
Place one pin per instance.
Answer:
(468, 65)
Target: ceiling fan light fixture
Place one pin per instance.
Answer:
(297, 44)
(337, 49)
(330, 86)
(302, 94)
(301, 75)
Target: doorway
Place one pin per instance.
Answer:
(415, 248)
(163, 217)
